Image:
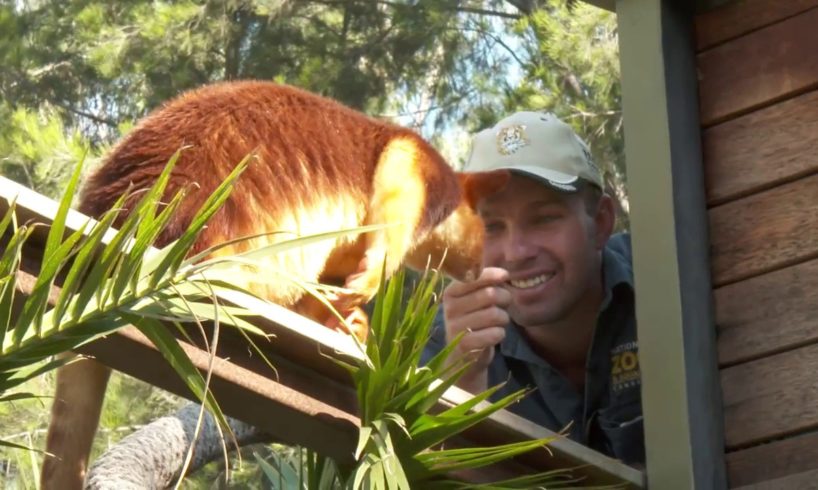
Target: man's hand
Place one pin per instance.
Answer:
(479, 309)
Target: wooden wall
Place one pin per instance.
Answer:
(758, 89)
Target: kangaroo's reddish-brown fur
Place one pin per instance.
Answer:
(315, 166)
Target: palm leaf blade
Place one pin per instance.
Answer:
(81, 263)
(170, 349)
(213, 203)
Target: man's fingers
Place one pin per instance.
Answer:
(475, 341)
(477, 308)
(493, 296)
(477, 321)
(490, 276)
(487, 297)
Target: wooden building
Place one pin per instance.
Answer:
(758, 75)
(721, 131)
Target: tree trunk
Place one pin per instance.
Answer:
(152, 457)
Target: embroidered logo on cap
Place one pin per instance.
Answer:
(511, 138)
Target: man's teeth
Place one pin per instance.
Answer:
(530, 283)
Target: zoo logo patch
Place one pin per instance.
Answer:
(511, 138)
(625, 371)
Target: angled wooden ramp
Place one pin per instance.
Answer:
(308, 400)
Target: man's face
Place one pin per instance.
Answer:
(549, 244)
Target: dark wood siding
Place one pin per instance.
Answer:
(758, 90)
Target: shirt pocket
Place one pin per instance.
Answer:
(623, 428)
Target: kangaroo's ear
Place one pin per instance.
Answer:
(477, 185)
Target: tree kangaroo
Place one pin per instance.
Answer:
(317, 166)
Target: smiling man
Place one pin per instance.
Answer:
(553, 308)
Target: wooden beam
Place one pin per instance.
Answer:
(771, 398)
(322, 419)
(309, 399)
(767, 314)
(803, 480)
(760, 150)
(764, 232)
(759, 69)
(723, 20)
(774, 460)
(681, 397)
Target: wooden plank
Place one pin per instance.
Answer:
(309, 400)
(807, 480)
(322, 415)
(283, 411)
(759, 69)
(768, 313)
(770, 398)
(295, 404)
(776, 460)
(505, 426)
(741, 17)
(761, 149)
(764, 232)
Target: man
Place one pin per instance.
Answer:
(553, 308)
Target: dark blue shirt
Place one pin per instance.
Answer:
(607, 416)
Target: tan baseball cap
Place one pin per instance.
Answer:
(537, 144)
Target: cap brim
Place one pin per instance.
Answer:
(557, 180)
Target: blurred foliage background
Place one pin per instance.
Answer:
(77, 74)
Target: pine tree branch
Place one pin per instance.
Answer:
(498, 41)
(87, 115)
(492, 13)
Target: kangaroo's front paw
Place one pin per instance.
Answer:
(355, 322)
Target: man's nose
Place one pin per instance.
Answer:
(518, 247)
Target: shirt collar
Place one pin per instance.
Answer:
(616, 268)
(514, 345)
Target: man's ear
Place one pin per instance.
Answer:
(604, 218)
(477, 185)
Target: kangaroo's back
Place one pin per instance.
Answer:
(303, 149)
(312, 164)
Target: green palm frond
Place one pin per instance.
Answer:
(293, 468)
(113, 278)
(402, 423)
(403, 426)
(105, 285)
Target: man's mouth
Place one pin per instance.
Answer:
(530, 282)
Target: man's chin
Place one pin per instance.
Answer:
(528, 318)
